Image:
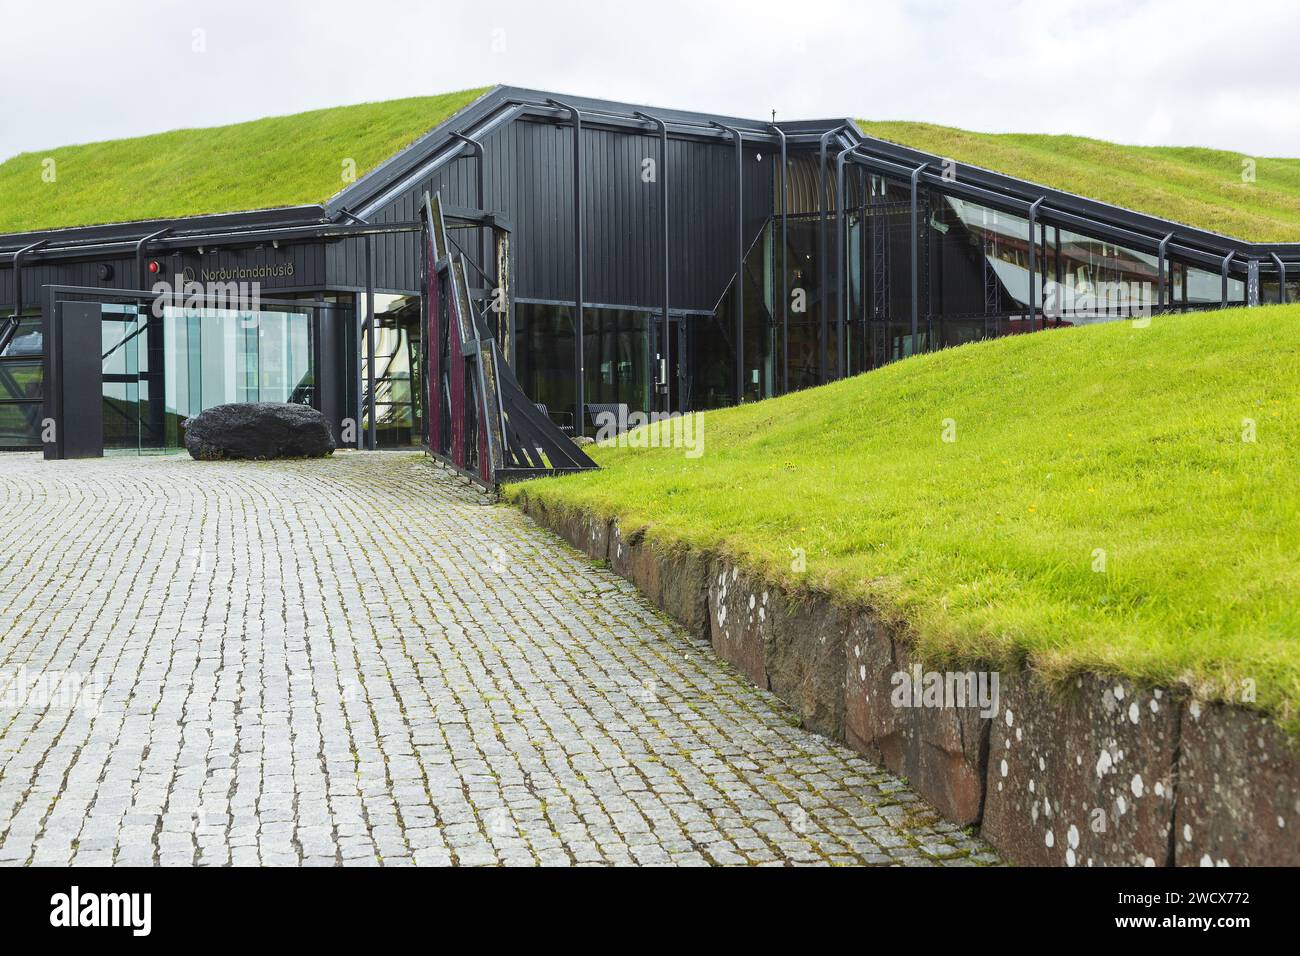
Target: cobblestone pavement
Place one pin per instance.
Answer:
(357, 661)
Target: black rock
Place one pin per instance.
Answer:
(258, 431)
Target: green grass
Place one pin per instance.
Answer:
(1111, 437)
(1197, 187)
(280, 161)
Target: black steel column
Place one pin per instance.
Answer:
(1161, 254)
(372, 429)
(1227, 262)
(665, 351)
(739, 390)
(579, 349)
(19, 256)
(823, 201)
(1033, 260)
(480, 194)
(140, 248)
(1281, 277)
(785, 272)
(841, 273)
(916, 255)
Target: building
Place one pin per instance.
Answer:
(615, 255)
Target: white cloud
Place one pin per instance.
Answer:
(1188, 72)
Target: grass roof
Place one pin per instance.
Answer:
(279, 161)
(304, 158)
(1199, 187)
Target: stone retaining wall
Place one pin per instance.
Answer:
(1100, 772)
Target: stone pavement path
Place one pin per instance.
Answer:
(357, 661)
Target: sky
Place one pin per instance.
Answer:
(1169, 72)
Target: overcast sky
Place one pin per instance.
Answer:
(1188, 72)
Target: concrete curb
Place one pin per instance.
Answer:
(1099, 773)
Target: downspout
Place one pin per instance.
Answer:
(822, 202)
(477, 147)
(1281, 277)
(372, 431)
(1160, 272)
(1223, 269)
(370, 341)
(579, 353)
(140, 253)
(666, 350)
(19, 256)
(916, 255)
(785, 272)
(739, 389)
(1033, 261)
(841, 273)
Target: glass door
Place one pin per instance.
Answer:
(124, 336)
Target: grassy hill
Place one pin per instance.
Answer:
(280, 161)
(1198, 187)
(1106, 443)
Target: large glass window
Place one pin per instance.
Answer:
(544, 355)
(617, 356)
(158, 371)
(21, 377)
(616, 343)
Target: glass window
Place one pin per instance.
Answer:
(20, 425)
(398, 407)
(206, 357)
(27, 340)
(21, 378)
(617, 356)
(544, 355)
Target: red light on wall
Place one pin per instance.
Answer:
(155, 267)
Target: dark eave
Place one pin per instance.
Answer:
(128, 231)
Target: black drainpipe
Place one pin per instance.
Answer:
(841, 273)
(739, 391)
(785, 273)
(19, 256)
(823, 201)
(579, 356)
(665, 351)
(1281, 277)
(1033, 263)
(1161, 257)
(1227, 261)
(140, 248)
(480, 194)
(916, 253)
